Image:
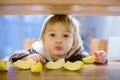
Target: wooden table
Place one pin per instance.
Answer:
(88, 72)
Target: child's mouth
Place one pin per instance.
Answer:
(58, 48)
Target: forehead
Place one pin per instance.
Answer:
(58, 26)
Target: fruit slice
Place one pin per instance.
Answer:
(4, 65)
(72, 66)
(36, 67)
(55, 65)
(89, 60)
(24, 64)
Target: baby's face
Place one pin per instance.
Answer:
(58, 41)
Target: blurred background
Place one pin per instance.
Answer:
(15, 29)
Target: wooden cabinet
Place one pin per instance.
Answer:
(77, 7)
(98, 44)
(28, 43)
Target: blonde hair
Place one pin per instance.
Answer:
(71, 24)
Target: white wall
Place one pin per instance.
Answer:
(113, 26)
(114, 48)
(107, 27)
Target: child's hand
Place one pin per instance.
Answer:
(100, 56)
(36, 57)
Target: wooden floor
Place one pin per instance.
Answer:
(88, 72)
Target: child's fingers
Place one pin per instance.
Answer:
(100, 56)
(99, 53)
(37, 57)
(41, 59)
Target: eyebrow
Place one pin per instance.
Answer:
(63, 31)
(50, 30)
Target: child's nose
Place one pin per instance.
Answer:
(59, 40)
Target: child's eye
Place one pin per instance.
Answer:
(65, 35)
(52, 35)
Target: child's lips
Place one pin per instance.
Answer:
(58, 48)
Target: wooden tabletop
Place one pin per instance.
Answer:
(74, 7)
(88, 72)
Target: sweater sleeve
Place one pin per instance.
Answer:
(20, 54)
(77, 55)
(36, 49)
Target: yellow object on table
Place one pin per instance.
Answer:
(4, 65)
(73, 66)
(34, 66)
(89, 60)
(55, 64)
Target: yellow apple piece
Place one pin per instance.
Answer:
(89, 60)
(73, 66)
(24, 64)
(4, 65)
(55, 64)
(36, 67)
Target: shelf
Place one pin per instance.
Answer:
(76, 7)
